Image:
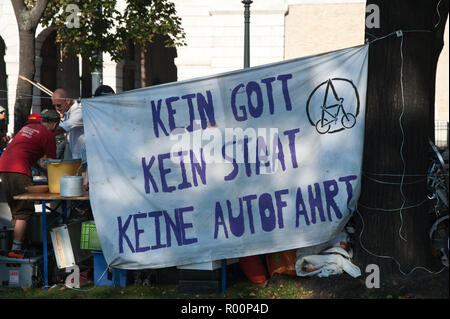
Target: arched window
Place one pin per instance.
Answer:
(56, 70)
(131, 68)
(159, 62)
(155, 65)
(49, 66)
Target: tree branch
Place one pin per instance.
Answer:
(19, 8)
(28, 19)
(37, 11)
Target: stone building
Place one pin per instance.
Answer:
(279, 30)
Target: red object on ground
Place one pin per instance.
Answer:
(253, 268)
(13, 254)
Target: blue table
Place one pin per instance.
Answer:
(60, 209)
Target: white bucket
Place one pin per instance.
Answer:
(71, 186)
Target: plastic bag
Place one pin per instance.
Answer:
(325, 265)
(282, 262)
(253, 268)
(331, 258)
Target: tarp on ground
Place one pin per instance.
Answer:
(254, 161)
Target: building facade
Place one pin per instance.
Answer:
(279, 30)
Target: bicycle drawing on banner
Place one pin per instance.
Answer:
(333, 106)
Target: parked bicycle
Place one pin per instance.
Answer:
(437, 187)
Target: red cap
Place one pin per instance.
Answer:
(34, 118)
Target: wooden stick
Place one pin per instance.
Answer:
(45, 89)
(38, 85)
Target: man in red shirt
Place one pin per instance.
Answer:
(33, 142)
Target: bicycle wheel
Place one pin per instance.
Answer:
(438, 156)
(437, 177)
(440, 238)
(348, 120)
(322, 129)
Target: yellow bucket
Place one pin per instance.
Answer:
(59, 168)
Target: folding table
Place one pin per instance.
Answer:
(44, 198)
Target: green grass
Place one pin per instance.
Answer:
(284, 288)
(239, 287)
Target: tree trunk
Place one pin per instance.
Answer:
(24, 89)
(27, 21)
(399, 125)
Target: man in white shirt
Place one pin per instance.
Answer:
(72, 123)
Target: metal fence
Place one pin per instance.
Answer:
(441, 134)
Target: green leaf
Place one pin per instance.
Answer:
(104, 29)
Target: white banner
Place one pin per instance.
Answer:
(249, 162)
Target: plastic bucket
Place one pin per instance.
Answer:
(60, 168)
(71, 186)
